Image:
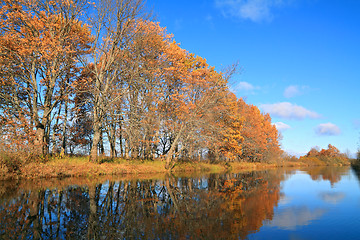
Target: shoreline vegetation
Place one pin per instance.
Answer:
(79, 166)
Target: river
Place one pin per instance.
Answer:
(313, 203)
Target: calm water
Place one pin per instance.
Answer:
(315, 203)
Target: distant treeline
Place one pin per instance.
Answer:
(329, 156)
(77, 77)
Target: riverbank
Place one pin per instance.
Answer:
(81, 167)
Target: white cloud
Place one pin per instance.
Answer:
(328, 129)
(281, 126)
(254, 10)
(288, 110)
(244, 86)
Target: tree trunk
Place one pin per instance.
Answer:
(53, 141)
(135, 151)
(40, 139)
(173, 147)
(95, 140)
(126, 149)
(112, 139)
(63, 144)
(101, 144)
(121, 141)
(112, 148)
(148, 154)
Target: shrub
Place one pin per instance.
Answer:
(312, 161)
(12, 162)
(105, 159)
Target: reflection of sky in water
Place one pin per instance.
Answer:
(290, 218)
(315, 209)
(332, 197)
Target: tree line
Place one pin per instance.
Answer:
(80, 77)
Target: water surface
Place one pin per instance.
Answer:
(314, 203)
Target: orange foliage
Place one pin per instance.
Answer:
(261, 138)
(330, 156)
(142, 89)
(39, 45)
(332, 151)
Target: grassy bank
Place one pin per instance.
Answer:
(55, 167)
(81, 167)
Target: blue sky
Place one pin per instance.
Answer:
(299, 59)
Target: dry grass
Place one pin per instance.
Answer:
(80, 167)
(56, 167)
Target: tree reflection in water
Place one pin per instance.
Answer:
(212, 207)
(356, 169)
(333, 174)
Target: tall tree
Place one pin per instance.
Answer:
(112, 25)
(193, 89)
(226, 132)
(39, 43)
(261, 138)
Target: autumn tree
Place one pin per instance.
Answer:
(261, 138)
(226, 133)
(39, 44)
(81, 129)
(314, 151)
(332, 151)
(192, 88)
(112, 25)
(145, 63)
